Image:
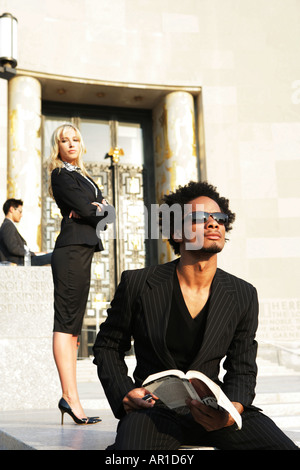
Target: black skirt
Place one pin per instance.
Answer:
(71, 270)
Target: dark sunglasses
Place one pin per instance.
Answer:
(202, 217)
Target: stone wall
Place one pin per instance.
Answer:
(29, 379)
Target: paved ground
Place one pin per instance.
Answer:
(278, 393)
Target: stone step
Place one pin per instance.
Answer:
(269, 368)
(275, 398)
(87, 371)
(280, 409)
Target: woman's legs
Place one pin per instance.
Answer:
(65, 356)
(71, 267)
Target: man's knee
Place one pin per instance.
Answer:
(152, 429)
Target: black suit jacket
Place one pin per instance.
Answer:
(71, 190)
(141, 308)
(11, 243)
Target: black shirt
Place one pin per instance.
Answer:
(184, 333)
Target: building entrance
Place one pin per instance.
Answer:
(119, 160)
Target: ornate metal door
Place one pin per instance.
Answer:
(124, 241)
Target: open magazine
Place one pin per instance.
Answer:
(173, 387)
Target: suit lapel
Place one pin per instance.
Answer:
(156, 301)
(222, 304)
(87, 184)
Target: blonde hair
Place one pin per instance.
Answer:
(54, 160)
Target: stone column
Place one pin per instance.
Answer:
(24, 154)
(3, 143)
(175, 152)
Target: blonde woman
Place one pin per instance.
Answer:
(82, 206)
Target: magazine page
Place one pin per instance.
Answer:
(172, 391)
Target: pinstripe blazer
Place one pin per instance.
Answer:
(141, 308)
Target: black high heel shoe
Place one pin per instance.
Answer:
(64, 407)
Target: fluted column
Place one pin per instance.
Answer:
(174, 149)
(24, 154)
(3, 143)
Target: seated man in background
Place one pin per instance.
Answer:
(12, 245)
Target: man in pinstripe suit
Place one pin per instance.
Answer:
(186, 314)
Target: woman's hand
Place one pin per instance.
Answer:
(99, 205)
(134, 400)
(74, 215)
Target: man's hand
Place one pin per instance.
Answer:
(134, 400)
(210, 418)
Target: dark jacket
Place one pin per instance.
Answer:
(11, 243)
(141, 308)
(71, 190)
